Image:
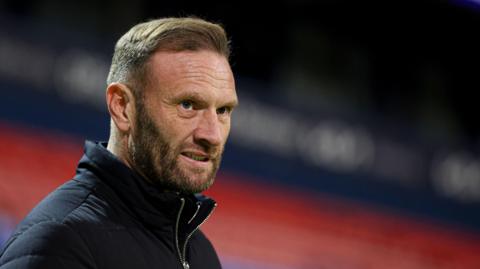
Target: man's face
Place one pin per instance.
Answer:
(180, 130)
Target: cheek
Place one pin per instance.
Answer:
(179, 130)
(226, 132)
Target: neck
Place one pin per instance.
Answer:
(119, 148)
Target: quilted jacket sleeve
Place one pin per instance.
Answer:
(47, 244)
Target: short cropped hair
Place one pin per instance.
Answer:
(134, 48)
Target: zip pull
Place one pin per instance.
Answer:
(186, 265)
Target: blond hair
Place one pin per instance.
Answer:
(135, 47)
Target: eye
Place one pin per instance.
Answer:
(224, 110)
(187, 105)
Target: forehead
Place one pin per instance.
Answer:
(206, 72)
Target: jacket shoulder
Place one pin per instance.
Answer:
(59, 204)
(44, 239)
(46, 244)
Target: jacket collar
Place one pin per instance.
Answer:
(152, 206)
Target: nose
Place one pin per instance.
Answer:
(208, 131)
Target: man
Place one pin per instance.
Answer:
(133, 203)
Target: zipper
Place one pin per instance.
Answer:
(196, 212)
(182, 255)
(182, 260)
(185, 263)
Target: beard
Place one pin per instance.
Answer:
(154, 158)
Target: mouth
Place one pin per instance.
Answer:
(196, 156)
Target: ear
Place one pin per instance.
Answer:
(120, 105)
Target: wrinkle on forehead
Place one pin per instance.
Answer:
(196, 67)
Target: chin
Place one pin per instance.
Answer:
(200, 182)
(200, 185)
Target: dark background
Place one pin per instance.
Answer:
(412, 63)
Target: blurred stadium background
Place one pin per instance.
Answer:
(356, 144)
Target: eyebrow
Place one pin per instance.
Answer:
(233, 103)
(199, 98)
(194, 96)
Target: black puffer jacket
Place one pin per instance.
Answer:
(108, 217)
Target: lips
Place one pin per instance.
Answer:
(199, 157)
